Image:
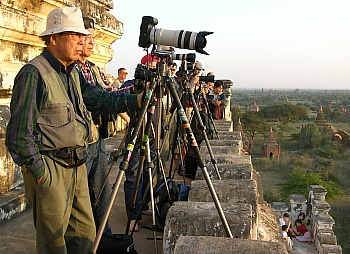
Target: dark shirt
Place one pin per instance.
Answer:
(28, 98)
(220, 97)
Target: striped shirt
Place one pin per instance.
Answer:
(86, 69)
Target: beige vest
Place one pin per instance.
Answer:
(58, 125)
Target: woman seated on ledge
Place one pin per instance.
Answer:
(303, 235)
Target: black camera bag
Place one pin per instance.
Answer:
(116, 244)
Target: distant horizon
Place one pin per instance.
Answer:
(278, 43)
(292, 89)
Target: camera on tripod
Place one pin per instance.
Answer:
(142, 75)
(179, 39)
(206, 79)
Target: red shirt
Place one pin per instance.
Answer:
(302, 229)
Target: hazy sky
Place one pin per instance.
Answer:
(256, 43)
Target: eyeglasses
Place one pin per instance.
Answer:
(89, 38)
(173, 69)
(77, 36)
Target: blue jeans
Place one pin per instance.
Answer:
(97, 169)
(130, 175)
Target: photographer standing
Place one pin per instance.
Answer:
(48, 132)
(96, 162)
(217, 100)
(194, 86)
(119, 81)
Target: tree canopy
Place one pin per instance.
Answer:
(283, 113)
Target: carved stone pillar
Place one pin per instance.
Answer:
(21, 22)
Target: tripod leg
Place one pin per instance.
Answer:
(115, 158)
(150, 178)
(123, 166)
(193, 143)
(209, 114)
(203, 128)
(107, 211)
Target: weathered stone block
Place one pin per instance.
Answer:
(13, 207)
(298, 203)
(231, 191)
(224, 127)
(325, 237)
(202, 219)
(317, 192)
(229, 158)
(222, 147)
(280, 208)
(210, 245)
(330, 249)
(231, 135)
(322, 222)
(320, 207)
(226, 124)
(228, 171)
(225, 142)
(268, 224)
(224, 132)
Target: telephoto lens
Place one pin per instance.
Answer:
(206, 79)
(191, 57)
(179, 39)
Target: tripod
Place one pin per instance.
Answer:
(209, 113)
(130, 147)
(188, 95)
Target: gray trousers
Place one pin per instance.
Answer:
(61, 209)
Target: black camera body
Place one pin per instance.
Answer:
(147, 23)
(206, 79)
(142, 75)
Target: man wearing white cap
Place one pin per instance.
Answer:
(49, 130)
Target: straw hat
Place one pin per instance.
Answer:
(65, 19)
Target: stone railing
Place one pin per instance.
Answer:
(195, 226)
(317, 211)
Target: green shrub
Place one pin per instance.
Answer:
(270, 196)
(299, 181)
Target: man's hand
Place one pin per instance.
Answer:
(216, 102)
(39, 180)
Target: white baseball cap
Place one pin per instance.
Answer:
(65, 19)
(199, 65)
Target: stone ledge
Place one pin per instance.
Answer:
(330, 249)
(12, 204)
(202, 219)
(209, 245)
(230, 158)
(241, 170)
(231, 191)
